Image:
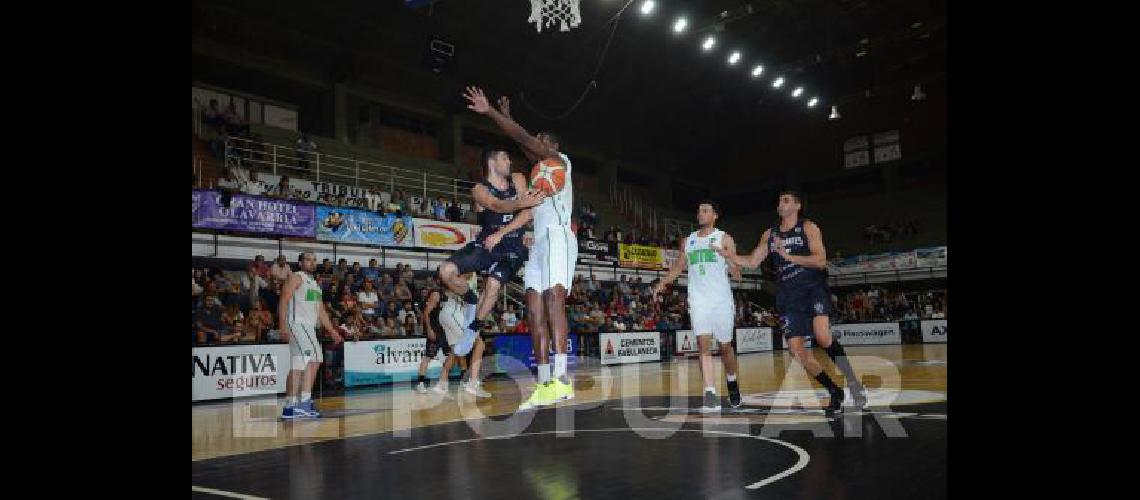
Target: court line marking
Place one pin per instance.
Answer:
(222, 493)
(801, 462)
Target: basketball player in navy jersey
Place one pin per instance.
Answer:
(502, 203)
(803, 299)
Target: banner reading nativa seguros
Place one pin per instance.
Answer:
(239, 371)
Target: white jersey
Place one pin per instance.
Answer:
(708, 271)
(555, 210)
(306, 299)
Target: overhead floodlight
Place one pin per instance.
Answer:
(778, 82)
(709, 43)
(813, 102)
(647, 7)
(757, 70)
(680, 25)
(734, 58)
(799, 91)
(918, 94)
(834, 113)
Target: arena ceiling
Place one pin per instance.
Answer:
(655, 93)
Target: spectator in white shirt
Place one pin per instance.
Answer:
(510, 320)
(251, 186)
(368, 299)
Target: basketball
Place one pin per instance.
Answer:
(549, 175)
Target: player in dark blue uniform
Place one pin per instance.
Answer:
(803, 299)
(502, 203)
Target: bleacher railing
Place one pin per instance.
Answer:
(295, 162)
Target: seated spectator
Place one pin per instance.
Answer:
(196, 288)
(522, 327)
(372, 272)
(208, 321)
(509, 318)
(405, 311)
(390, 329)
(402, 292)
(350, 284)
(368, 298)
(356, 326)
(412, 327)
(283, 190)
(341, 269)
(453, 213)
(259, 321)
(393, 310)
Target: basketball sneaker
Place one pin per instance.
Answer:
(421, 388)
(307, 409)
(563, 391)
(836, 402)
(475, 389)
(289, 413)
(544, 395)
(734, 394)
(712, 402)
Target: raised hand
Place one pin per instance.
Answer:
(476, 100)
(505, 105)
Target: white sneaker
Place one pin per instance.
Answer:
(421, 388)
(441, 390)
(476, 389)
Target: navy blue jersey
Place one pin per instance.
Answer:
(492, 221)
(796, 242)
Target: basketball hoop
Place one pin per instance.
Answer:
(545, 12)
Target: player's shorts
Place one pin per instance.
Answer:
(472, 257)
(715, 320)
(433, 346)
(455, 332)
(799, 304)
(552, 259)
(510, 256)
(304, 347)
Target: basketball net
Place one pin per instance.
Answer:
(545, 12)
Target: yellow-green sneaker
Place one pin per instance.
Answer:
(544, 395)
(562, 390)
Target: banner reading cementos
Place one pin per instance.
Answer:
(349, 225)
(253, 214)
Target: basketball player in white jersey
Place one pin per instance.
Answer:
(550, 266)
(711, 307)
(298, 312)
(443, 324)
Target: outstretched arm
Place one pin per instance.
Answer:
(532, 147)
(752, 261)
